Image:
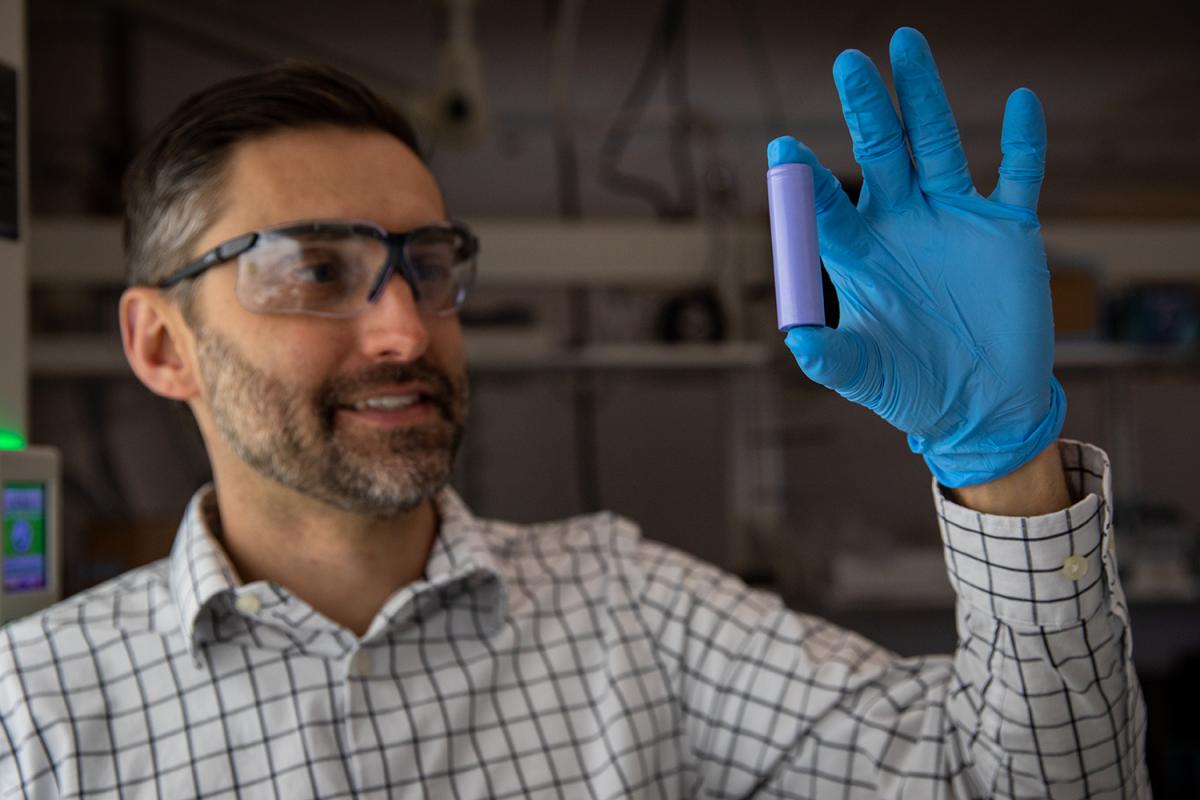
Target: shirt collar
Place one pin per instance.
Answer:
(461, 561)
(199, 568)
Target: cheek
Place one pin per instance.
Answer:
(282, 347)
(304, 360)
(288, 353)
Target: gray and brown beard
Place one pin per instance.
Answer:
(290, 434)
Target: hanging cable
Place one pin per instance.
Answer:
(662, 45)
(564, 18)
(681, 118)
(760, 67)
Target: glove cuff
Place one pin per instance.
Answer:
(965, 465)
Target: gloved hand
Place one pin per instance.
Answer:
(945, 321)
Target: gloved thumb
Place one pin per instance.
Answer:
(835, 358)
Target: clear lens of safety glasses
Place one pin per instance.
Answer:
(440, 265)
(331, 270)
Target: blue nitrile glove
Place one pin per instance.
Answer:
(946, 329)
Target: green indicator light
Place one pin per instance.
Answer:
(11, 441)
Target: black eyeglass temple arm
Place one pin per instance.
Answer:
(218, 255)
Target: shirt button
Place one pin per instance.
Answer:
(363, 662)
(248, 603)
(1075, 567)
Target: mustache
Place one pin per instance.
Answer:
(443, 391)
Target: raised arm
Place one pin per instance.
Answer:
(946, 332)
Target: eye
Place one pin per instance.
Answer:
(431, 261)
(430, 270)
(318, 272)
(317, 266)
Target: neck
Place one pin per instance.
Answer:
(343, 565)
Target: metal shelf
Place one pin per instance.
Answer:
(88, 251)
(102, 356)
(1116, 355)
(481, 356)
(98, 355)
(77, 355)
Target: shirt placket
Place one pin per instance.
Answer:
(380, 741)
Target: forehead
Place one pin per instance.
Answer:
(327, 173)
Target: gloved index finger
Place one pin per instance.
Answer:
(874, 128)
(928, 121)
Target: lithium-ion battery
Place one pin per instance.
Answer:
(798, 296)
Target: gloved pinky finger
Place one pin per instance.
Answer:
(1023, 144)
(834, 358)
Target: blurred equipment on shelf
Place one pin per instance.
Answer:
(1160, 559)
(1076, 295)
(693, 316)
(506, 322)
(460, 110)
(30, 509)
(1157, 313)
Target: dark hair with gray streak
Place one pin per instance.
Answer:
(172, 189)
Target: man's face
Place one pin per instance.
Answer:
(314, 404)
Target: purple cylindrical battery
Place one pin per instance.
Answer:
(798, 296)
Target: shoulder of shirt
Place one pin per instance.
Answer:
(134, 602)
(33, 647)
(610, 545)
(602, 536)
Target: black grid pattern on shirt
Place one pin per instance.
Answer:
(577, 660)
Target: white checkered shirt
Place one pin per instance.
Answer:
(577, 660)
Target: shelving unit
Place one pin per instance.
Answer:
(642, 255)
(102, 356)
(95, 355)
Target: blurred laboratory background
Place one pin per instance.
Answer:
(622, 341)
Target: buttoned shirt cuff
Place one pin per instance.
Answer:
(1054, 570)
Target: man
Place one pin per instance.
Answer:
(333, 622)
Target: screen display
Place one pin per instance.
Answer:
(24, 537)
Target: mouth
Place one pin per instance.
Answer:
(386, 402)
(392, 407)
(391, 398)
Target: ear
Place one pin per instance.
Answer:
(158, 344)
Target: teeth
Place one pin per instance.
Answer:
(386, 403)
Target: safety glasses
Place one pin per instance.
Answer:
(337, 268)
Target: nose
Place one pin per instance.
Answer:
(393, 327)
